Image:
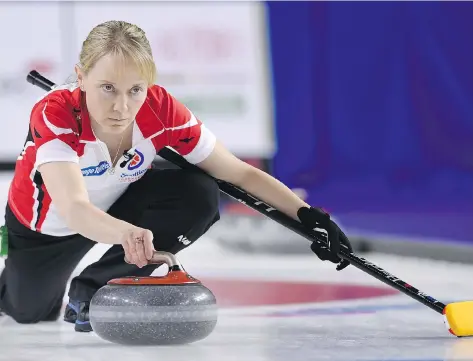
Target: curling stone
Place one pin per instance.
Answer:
(165, 310)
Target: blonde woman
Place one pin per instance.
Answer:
(84, 176)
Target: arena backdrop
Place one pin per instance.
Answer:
(212, 56)
(374, 112)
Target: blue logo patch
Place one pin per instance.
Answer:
(136, 161)
(97, 170)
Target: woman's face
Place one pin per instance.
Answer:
(114, 93)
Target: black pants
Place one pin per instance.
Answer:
(169, 202)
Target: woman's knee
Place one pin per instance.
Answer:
(186, 203)
(201, 195)
(29, 299)
(199, 203)
(27, 311)
(28, 317)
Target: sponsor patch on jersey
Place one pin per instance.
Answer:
(136, 161)
(96, 170)
(130, 178)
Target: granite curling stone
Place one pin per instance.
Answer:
(169, 310)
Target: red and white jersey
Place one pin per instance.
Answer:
(60, 130)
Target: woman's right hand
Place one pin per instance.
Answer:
(138, 246)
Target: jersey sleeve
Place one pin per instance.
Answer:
(52, 130)
(185, 133)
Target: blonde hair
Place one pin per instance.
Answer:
(122, 39)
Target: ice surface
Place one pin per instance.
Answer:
(391, 327)
(386, 328)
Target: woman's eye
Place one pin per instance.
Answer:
(136, 90)
(107, 88)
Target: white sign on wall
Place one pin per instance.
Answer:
(37, 45)
(212, 56)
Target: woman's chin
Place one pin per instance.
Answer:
(116, 128)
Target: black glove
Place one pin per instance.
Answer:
(317, 218)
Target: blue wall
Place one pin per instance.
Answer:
(374, 112)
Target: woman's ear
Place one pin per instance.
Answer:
(80, 77)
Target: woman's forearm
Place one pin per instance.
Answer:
(95, 224)
(272, 192)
